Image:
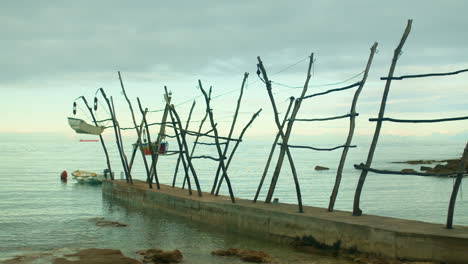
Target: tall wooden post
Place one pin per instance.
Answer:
(273, 147)
(184, 143)
(285, 135)
(116, 132)
(121, 142)
(100, 137)
(237, 145)
(180, 156)
(352, 124)
(233, 124)
(456, 186)
(218, 148)
(136, 128)
(357, 196)
(181, 152)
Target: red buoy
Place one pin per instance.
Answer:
(63, 176)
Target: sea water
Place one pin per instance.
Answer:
(39, 213)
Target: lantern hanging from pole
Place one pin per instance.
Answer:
(95, 103)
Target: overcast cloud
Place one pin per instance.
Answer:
(54, 39)
(58, 50)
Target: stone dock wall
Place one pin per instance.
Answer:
(380, 236)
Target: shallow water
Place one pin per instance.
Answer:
(40, 213)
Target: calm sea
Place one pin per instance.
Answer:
(39, 213)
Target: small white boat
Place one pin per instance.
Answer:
(87, 177)
(81, 127)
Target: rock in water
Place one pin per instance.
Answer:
(161, 256)
(246, 255)
(321, 168)
(97, 256)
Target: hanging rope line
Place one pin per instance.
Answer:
(320, 85)
(333, 90)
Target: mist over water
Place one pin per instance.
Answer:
(38, 212)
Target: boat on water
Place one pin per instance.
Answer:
(81, 176)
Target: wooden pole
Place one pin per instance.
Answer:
(115, 125)
(161, 136)
(357, 196)
(198, 135)
(456, 186)
(184, 143)
(180, 154)
(285, 136)
(100, 137)
(235, 147)
(218, 148)
(121, 143)
(233, 124)
(145, 162)
(352, 125)
(137, 145)
(273, 147)
(149, 180)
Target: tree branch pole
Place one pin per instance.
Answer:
(180, 154)
(357, 196)
(233, 124)
(456, 186)
(161, 135)
(138, 129)
(285, 136)
(100, 137)
(121, 142)
(184, 142)
(149, 180)
(236, 146)
(215, 131)
(117, 141)
(352, 125)
(198, 136)
(137, 145)
(273, 147)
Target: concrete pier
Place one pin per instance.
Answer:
(380, 236)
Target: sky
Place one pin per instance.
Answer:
(55, 51)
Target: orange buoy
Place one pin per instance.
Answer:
(63, 176)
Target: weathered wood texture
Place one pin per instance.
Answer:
(357, 196)
(273, 147)
(352, 125)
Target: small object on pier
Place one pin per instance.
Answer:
(321, 168)
(63, 176)
(163, 148)
(275, 201)
(145, 146)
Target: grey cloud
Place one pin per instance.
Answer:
(61, 38)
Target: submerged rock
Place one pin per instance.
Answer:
(100, 221)
(246, 255)
(96, 256)
(321, 168)
(161, 256)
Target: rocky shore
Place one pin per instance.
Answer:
(435, 166)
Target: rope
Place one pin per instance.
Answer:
(320, 85)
